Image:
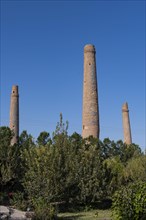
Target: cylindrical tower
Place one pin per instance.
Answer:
(126, 124)
(90, 116)
(14, 114)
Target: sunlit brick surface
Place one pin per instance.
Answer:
(90, 117)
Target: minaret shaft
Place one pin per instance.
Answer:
(90, 117)
(14, 114)
(126, 124)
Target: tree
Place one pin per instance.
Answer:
(128, 151)
(135, 169)
(91, 173)
(129, 202)
(26, 140)
(117, 156)
(45, 176)
(5, 136)
(115, 169)
(61, 127)
(9, 160)
(44, 139)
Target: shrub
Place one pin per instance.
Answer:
(130, 202)
(17, 200)
(43, 210)
(4, 199)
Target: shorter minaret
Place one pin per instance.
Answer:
(14, 114)
(126, 124)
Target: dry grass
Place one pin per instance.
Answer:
(89, 215)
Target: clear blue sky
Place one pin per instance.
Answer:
(42, 51)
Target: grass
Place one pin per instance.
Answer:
(88, 215)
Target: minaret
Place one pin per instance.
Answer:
(90, 117)
(126, 124)
(14, 114)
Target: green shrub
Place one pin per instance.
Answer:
(130, 202)
(43, 210)
(17, 201)
(4, 199)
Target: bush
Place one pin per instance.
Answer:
(17, 200)
(43, 210)
(130, 202)
(4, 198)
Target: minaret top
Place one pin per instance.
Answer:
(89, 48)
(15, 90)
(125, 107)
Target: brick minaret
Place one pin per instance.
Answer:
(90, 117)
(126, 124)
(14, 114)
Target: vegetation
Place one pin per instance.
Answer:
(69, 173)
(87, 215)
(130, 202)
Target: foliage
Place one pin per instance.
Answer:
(115, 169)
(43, 210)
(9, 160)
(91, 171)
(44, 139)
(26, 140)
(130, 202)
(35, 178)
(5, 136)
(4, 198)
(18, 201)
(65, 169)
(135, 169)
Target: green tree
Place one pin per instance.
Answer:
(135, 169)
(128, 151)
(91, 173)
(115, 169)
(44, 139)
(9, 160)
(118, 155)
(130, 202)
(26, 140)
(45, 176)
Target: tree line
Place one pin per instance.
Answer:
(70, 172)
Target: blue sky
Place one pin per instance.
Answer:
(42, 51)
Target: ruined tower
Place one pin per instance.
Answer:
(90, 115)
(126, 124)
(14, 114)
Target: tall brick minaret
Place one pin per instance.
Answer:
(126, 124)
(14, 114)
(90, 115)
